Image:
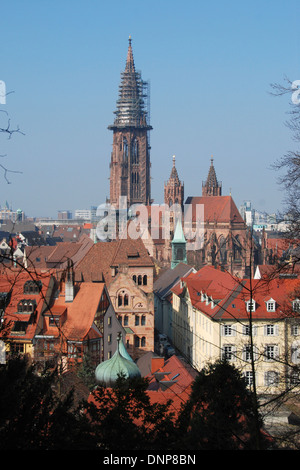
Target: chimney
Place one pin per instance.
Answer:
(69, 283)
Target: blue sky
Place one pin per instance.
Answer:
(210, 66)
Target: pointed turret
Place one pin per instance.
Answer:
(211, 187)
(174, 188)
(178, 246)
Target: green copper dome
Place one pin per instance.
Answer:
(108, 371)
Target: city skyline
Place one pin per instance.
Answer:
(210, 70)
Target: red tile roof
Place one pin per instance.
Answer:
(232, 294)
(216, 208)
(103, 255)
(80, 312)
(13, 280)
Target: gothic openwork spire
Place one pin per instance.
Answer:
(133, 94)
(130, 157)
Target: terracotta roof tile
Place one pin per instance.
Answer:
(103, 255)
(216, 208)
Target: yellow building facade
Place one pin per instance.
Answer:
(211, 323)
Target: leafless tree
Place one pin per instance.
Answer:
(6, 129)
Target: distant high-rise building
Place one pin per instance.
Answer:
(130, 157)
(64, 215)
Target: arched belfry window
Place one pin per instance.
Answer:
(135, 181)
(135, 151)
(123, 299)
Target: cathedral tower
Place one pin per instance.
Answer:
(130, 157)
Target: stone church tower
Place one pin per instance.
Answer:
(174, 188)
(211, 187)
(130, 157)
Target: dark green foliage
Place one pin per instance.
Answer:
(86, 372)
(124, 418)
(34, 416)
(220, 414)
(31, 414)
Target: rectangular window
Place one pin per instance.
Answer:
(17, 348)
(247, 353)
(295, 330)
(271, 306)
(248, 377)
(270, 331)
(53, 321)
(228, 330)
(296, 305)
(271, 352)
(228, 352)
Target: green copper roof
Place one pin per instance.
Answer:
(178, 235)
(108, 371)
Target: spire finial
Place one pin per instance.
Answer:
(173, 160)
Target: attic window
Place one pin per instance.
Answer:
(53, 321)
(250, 305)
(133, 254)
(296, 305)
(32, 287)
(271, 305)
(26, 306)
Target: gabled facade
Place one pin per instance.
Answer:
(128, 271)
(211, 320)
(226, 240)
(24, 297)
(80, 320)
(135, 311)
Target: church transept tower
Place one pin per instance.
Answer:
(211, 187)
(174, 188)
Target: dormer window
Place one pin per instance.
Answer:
(250, 305)
(53, 321)
(296, 305)
(32, 287)
(26, 306)
(271, 305)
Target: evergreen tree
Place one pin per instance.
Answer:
(220, 414)
(32, 416)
